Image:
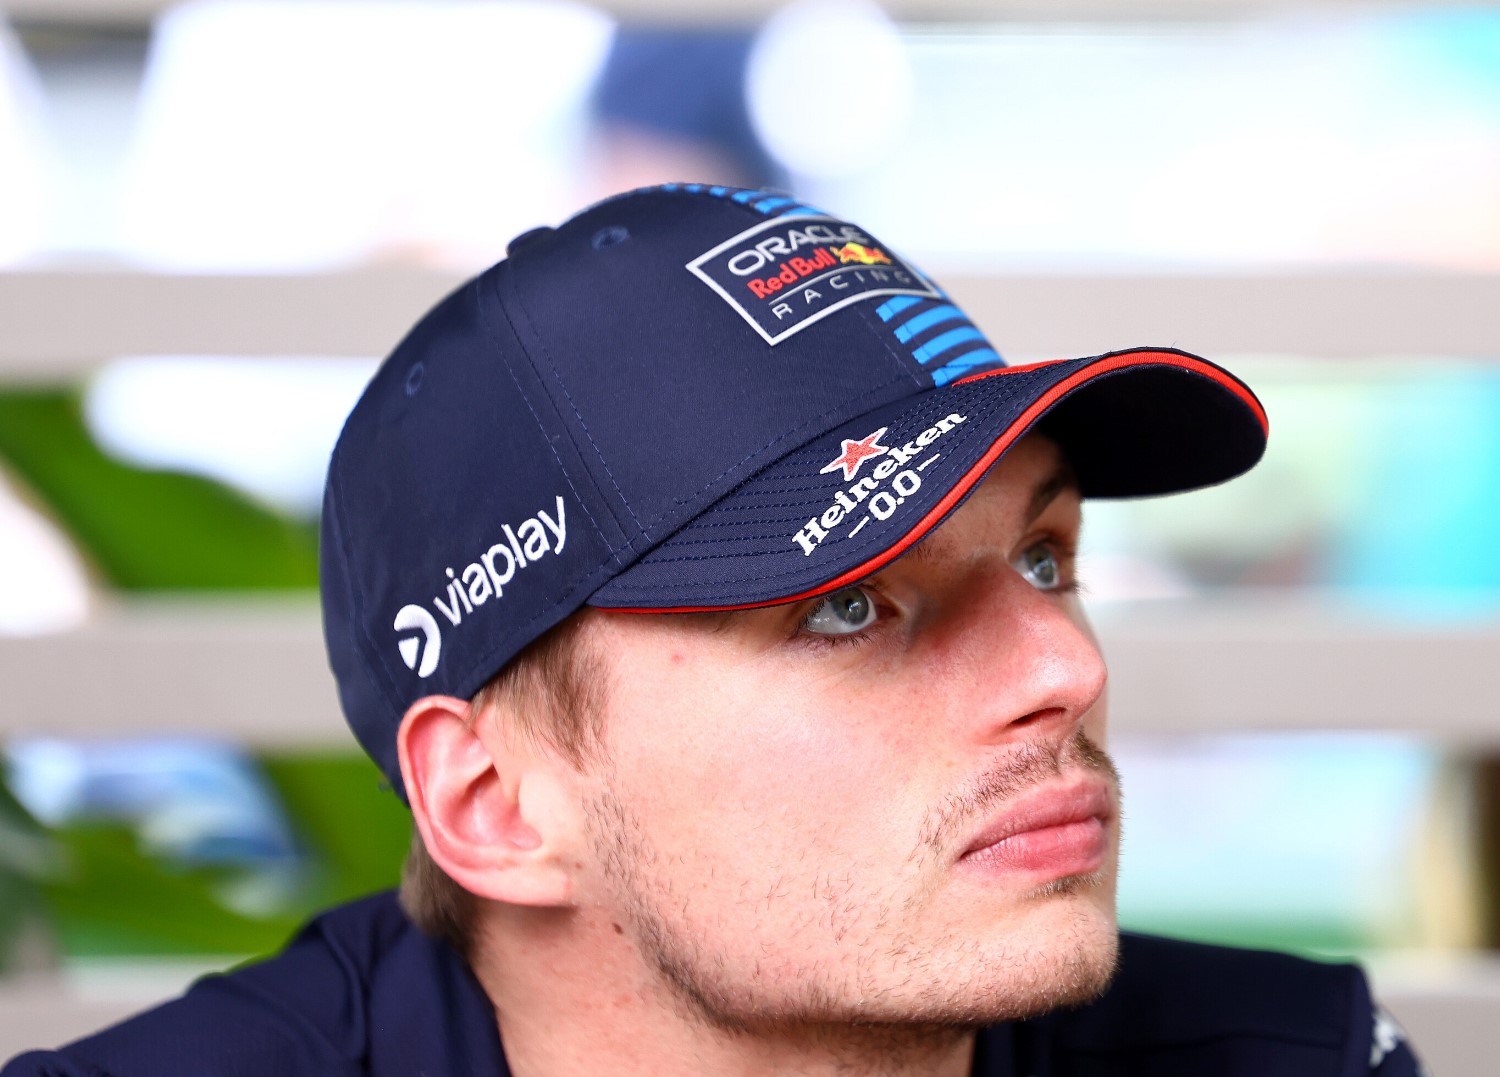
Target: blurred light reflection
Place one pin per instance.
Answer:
(265, 426)
(28, 165)
(844, 126)
(278, 135)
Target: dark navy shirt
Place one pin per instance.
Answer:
(361, 991)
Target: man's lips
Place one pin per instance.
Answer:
(1058, 829)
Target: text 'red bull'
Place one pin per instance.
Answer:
(791, 271)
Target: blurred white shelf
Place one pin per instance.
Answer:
(255, 671)
(252, 671)
(1256, 663)
(1449, 1005)
(1450, 1010)
(59, 323)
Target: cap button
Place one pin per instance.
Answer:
(526, 237)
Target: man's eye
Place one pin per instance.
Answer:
(842, 613)
(1040, 567)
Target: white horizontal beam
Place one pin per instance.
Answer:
(1249, 664)
(1331, 315)
(256, 672)
(62, 324)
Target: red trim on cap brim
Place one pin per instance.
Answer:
(1002, 443)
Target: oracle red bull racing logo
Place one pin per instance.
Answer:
(787, 273)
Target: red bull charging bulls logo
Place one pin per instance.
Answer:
(855, 252)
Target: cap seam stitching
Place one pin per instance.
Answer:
(902, 374)
(526, 399)
(881, 333)
(676, 502)
(752, 554)
(643, 527)
(849, 552)
(626, 589)
(552, 369)
(760, 508)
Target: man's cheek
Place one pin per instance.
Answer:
(780, 798)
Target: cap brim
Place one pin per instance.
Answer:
(1132, 423)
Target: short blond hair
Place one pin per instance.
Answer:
(553, 689)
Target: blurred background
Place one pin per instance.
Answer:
(216, 216)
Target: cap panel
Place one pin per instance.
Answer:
(664, 361)
(566, 443)
(462, 533)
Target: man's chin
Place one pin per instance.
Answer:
(1079, 975)
(1063, 953)
(1060, 963)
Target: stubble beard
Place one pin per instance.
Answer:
(884, 986)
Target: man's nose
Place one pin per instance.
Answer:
(1027, 655)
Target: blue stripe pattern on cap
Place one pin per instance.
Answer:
(938, 335)
(926, 320)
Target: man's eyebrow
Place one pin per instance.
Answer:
(1061, 478)
(925, 550)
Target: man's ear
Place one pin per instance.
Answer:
(493, 810)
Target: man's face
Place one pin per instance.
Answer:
(886, 806)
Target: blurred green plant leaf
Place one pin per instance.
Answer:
(342, 807)
(110, 897)
(147, 529)
(115, 900)
(27, 857)
(1316, 937)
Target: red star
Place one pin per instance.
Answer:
(856, 453)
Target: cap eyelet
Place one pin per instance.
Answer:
(609, 237)
(414, 379)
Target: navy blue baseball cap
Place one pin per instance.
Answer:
(687, 398)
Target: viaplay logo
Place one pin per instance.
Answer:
(785, 274)
(484, 580)
(419, 653)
